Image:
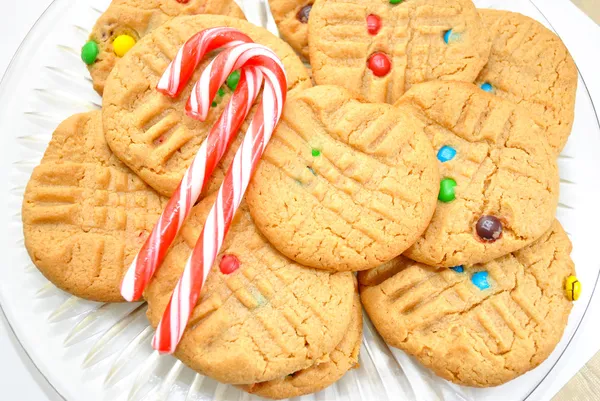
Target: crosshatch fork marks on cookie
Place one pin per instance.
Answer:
(411, 36)
(360, 180)
(512, 326)
(86, 214)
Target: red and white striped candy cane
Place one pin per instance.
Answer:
(218, 70)
(181, 69)
(210, 153)
(187, 292)
(194, 181)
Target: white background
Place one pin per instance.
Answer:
(20, 380)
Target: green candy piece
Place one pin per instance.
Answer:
(214, 104)
(447, 190)
(396, 1)
(233, 80)
(221, 92)
(316, 152)
(89, 52)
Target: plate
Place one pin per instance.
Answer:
(102, 351)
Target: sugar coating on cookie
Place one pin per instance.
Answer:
(150, 131)
(85, 214)
(471, 334)
(506, 178)
(267, 319)
(291, 17)
(531, 66)
(344, 184)
(324, 373)
(130, 20)
(379, 48)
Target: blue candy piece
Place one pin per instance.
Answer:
(449, 36)
(458, 269)
(260, 300)
(446, 153)
(480, 280)
(486, 86)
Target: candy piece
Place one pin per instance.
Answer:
(573, 288)
(450, 37)
(486, 86)
(221, 92)
(262, 61)
(316, 152)
(380, 64)
(304, 13)
(172, 82)
(122, 44)
(214, 104)
(183, 1)
(446, 153)
(447, 186)
(233, 79)
(458, 269)
(89, 52)
(373, 24)
(229, 264)
(489, 228)
(396, 1)
(480, 280)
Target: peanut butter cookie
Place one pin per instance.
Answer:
(479, 325)
(344, 184)
(499, 180)
(85, 214)
(324, 373)
(149, 131)
(126, 21)
(529, 65)
(291, 17)
(263, 319)
(380, 48)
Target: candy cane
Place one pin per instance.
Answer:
(187, 292)
(194, 181)
(210, 153)
(219, 69)
(181, 69)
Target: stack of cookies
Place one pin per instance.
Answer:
(422, 155)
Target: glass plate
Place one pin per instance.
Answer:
(102, 351)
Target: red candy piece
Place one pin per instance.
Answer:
(373, 24)
(380, 64)
(229, 264)
(183, 1)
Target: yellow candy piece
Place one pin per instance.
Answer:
(573, 288)
(122, 44)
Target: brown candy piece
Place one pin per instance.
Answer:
(489, 228)
(304, 13)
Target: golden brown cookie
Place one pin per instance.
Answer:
(149, 131)
(291, 17)
(379, 49)
(531, 66)
(137, 18)
(85, 214)
(322, 374)
(344, 184)
(269, 318)
(499, 179)
(480, 325)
